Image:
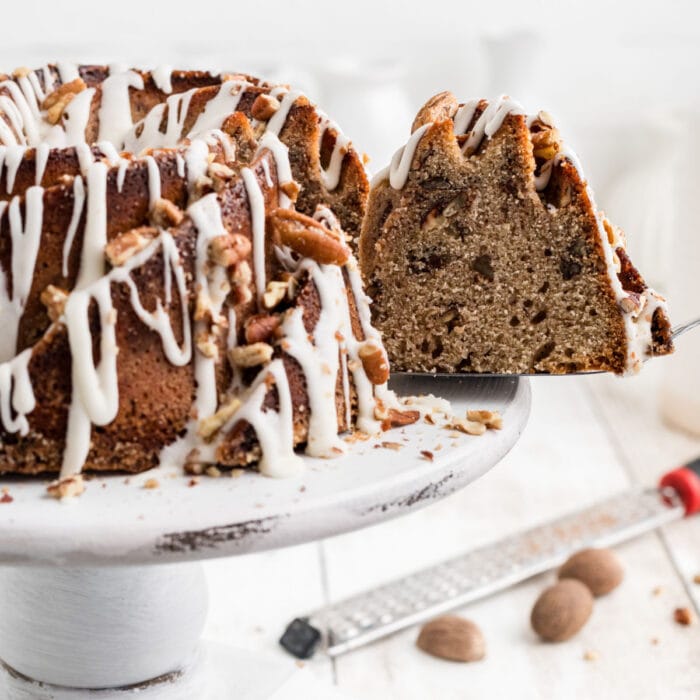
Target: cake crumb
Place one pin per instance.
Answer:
(193, 481)
(591, 655)
(657, 590)
(696, 578)
(6, 498)
(470, 427)
(427, 454)
(491, 419)
(683, 616)
(68, 487)
(151, 484)
(389, 446)
(654, 641)
(213, 472)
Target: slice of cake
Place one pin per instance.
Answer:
(484, 251)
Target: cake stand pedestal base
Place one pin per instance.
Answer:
(63, 629)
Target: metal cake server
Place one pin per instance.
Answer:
(676, 333)
(348, 624)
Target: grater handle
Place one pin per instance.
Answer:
(685, 482)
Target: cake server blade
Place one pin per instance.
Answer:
(351, 623)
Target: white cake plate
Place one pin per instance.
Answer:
(82, 607)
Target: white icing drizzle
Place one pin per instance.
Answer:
(218, 108)
(12, 157)
(273, 429)
(227, 145)
(330, 176)
(162, 77)
(269, 141)
(78, 204)
(76, 116)
(147, 134)
(16, 393)
(212, 289)
(95, 389)
(256, 202)
(197, 162)
(401, 161)
(153, 181)
(92, 262)
(67, 72)
(25, 237)
(114, 114)
(41, 158)
(279, 118)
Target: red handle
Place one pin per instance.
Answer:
(685, 481)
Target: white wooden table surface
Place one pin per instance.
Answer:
(587, 439)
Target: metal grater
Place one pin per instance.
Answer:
(366, 617)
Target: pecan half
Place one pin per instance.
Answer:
(307, 237)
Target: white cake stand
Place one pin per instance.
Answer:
(82, 605)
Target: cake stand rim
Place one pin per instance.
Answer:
(307, 520)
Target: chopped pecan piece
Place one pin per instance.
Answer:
(307, 237)
(54, 103)
(127, 244)
(54, 299)
(274, 293)
(374, 362)
(396, 419)
(491, 419)
(261, 327)
(212, 424)
(165, 213)
(264, 107)
(68, 487)
(251, 355)
(229, 249)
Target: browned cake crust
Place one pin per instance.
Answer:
(473, 268)
(149, 199)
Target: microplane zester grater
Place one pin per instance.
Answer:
(364, 618)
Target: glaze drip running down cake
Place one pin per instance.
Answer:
(176, 274)
(483, 251)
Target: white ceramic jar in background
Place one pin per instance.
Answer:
(370, 104)
(680, 388)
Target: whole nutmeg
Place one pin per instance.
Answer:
(453, 638)
(599, 569)
(562, 610)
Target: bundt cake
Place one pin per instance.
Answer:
(175, 273)
(483, 251)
